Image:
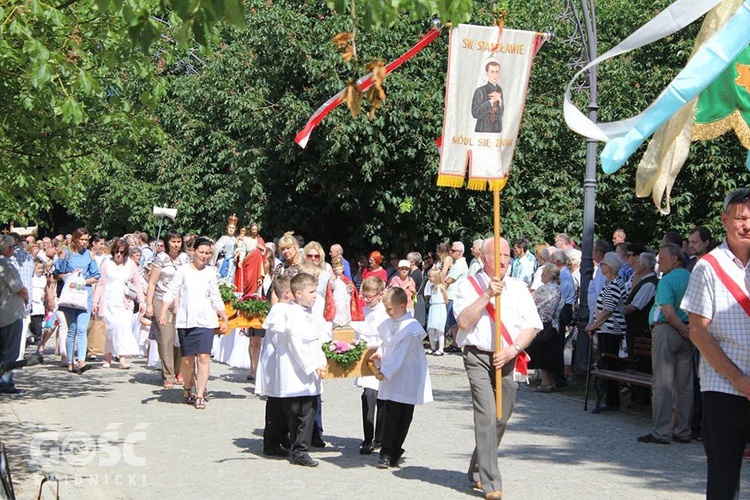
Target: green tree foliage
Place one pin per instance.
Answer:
(221, 140)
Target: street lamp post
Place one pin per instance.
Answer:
(585, 34)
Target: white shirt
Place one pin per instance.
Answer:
(367, 330)
(199, 297)
(268, 375)
(302, 348)
(517, 312)
(403, 364)
(707, 296)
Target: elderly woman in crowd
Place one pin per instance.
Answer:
(549, 303)
(165, 266)
(609, 320)
(78, 259)
(119, 275)
(373, 267)
(200, 307)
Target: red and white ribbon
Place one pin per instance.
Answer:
(365, 83)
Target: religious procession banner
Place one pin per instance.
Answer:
(488, 75)
(725, 104)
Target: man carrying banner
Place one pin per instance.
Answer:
(475, 314)
(719, 307)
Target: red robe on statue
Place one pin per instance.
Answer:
(250, 272)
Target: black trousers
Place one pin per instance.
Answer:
(300, 416)
(373, 428)
(277, 429)
(726, 432)
(398, 418)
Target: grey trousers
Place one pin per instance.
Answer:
(488, 430)
(171, 356)
(672, 362)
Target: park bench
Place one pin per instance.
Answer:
(632, 372)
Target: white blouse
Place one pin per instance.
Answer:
(199, 297)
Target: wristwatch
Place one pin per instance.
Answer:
(518, 348)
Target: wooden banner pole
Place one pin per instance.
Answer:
(498, 324)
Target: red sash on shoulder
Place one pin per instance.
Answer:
(522, 360)
(739, 295)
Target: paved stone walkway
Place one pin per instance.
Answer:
(112, 434)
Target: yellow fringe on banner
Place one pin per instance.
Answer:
(453, 181)
(477, 184)
(481, 184)
(498, 185)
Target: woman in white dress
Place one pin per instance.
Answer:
(112, 302)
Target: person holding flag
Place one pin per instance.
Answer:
(475, 313)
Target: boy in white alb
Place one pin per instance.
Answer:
(273, 360)
(301, 382)
(403, 374)
(367, 330)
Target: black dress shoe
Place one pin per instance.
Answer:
(384, 461)
(305, 461)
(396, 457)
(366, 448)
(649, 438)
(318, 442)
(276, 452)
(681, 439)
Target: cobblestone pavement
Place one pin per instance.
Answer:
(113, 433)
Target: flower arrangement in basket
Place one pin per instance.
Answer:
(250, 305)
(345, 354)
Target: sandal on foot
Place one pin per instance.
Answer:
(200, 403)
(187, 397)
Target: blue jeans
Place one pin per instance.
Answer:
(78, 323)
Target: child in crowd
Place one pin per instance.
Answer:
(303, 378)
(402, 280)
(374, 310)
(438, 313)
(403, 374)
(272, 362)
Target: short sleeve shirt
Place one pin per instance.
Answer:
(12, 306)
(707, 296)
(517, 311)
(458, 272)
(611, 298)
(168, 268)
(670, 290)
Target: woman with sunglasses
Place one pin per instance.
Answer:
(112, 301)
(78, 258)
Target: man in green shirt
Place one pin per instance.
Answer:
(671, 353)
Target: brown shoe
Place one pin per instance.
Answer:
(494, 495)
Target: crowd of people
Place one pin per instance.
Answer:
(161, 300)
